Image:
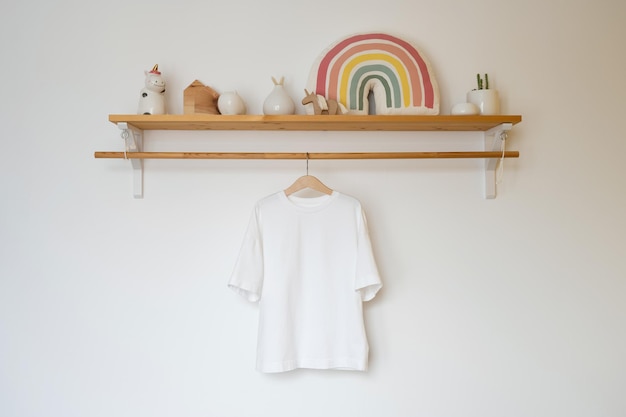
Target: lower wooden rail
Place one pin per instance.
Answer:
(306, 155)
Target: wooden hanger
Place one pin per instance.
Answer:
(308, 181)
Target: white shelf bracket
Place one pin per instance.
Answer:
(133, 142)
(493, 140)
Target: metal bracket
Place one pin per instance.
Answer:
(133, 142)
(493, 142)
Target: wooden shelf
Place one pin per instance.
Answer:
(315, 123)
(493, 128)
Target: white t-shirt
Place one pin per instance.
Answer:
(309, 264)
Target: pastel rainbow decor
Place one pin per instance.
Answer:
(397, 74)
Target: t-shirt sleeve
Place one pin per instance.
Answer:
(247, 276)
(367, 280)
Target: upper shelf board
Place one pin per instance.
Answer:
(310, 122)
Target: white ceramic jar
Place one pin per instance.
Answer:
(467, 109)
(231, 103)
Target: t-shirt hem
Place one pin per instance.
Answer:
(346, 364)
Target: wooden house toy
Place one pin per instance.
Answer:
(200, 98)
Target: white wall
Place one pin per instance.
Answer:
(111, 306)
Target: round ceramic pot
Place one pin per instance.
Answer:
(231, 103)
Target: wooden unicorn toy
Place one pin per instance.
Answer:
(322, 105)
(152, 100)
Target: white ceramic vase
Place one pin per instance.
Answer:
(231, 103)
(278, 101)
(487, 101)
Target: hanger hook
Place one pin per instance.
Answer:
(307, 163)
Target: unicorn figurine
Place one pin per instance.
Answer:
(152, 100)
(321, 105)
